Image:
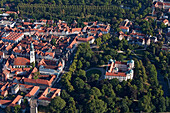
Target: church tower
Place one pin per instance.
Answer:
(32, 54)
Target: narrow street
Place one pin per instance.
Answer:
(57, 84)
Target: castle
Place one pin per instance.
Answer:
(120, 70)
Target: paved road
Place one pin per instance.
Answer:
(164, 84)
(136, 55)
(66, 69)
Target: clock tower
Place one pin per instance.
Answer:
(32, 54)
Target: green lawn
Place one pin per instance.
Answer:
(140, 53)
(94, 71)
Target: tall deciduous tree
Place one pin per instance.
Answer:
(57, 104)
(96, 106)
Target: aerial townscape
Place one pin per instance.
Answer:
(84, 56)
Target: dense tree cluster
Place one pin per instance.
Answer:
(85, 93)
(143, 93)
(111, 11)
(80, 2)
(160, 58)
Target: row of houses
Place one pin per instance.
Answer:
(134, 35)
(28, 81)
(26, 92)
(36, 57)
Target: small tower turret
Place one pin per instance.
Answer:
(32, 54)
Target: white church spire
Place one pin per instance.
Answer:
(32, 54)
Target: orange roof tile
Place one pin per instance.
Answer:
(123, 27)
(26, 86)
(4, 101)
(12, 56)
(37, 81)
(4, 92)
(34, 70)
(72, 43)
(86, 39)
(167, 3)
(16, 100)
(27, 23)
(165, 21)
(11, 12)
(76, 29)
(4, 86)
(33, 91)
(43, 96)
(116, 74)
(13, 36)
(21, 61)
(117, 62)
(1, 53)
(50, 53)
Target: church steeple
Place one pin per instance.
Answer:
(32, 54)
(32, 47)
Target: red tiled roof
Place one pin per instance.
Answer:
(116, 74)
(60, 64)
(85, 23)
(26, 86)
(76, 29)
(18, 78)
(13, 36)
(1, 53)
(43, 96)
(43, 76)
(97, 29)
(160, 3)
(33, 91)
(26, 69)
(15, 100)
(167, 3)
(8, 47)
(34, 70)
(117, 62)
(165, 21)
(7, 63)
(86, 39)
(123, 27)
(4, 86)
(37, 81)
(21, 61)
(4, 101)
(42, 62)
(27, 23)
(16, 69)
(121, 33)
(43, 20)
(4, 92)
(50, 53)
(72, 43)
(19, 26)
(12, 56)
(11, 12)
(138, 34)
